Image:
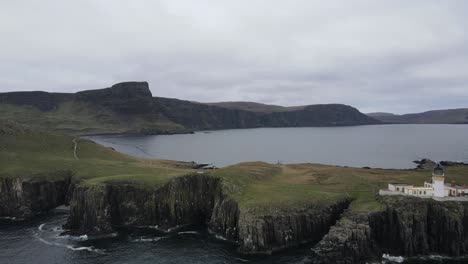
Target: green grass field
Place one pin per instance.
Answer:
(255, 185)
(30, 154)
(263, 185)
(86, 119)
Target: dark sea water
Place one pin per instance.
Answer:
(383, 146)
(39, 242)
(393, 146)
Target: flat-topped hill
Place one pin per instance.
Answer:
(130, 107)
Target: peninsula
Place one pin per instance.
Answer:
(262, 208)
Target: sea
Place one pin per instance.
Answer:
(41, 240)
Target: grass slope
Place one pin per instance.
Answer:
(83, 118)
(257, 186)
(31, 154)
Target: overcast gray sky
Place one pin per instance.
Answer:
(397, 56)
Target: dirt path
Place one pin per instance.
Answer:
(75, 148)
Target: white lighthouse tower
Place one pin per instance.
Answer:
(438, 176)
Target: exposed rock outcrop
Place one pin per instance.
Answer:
(197, 200)
(288, 228)
(412, 226)
(187, 200)
(408, 226)
(349, 241)
(26, 197)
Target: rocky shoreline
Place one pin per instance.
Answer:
(406, 226)
(197, 200)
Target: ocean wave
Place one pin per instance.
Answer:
(8, 218)
(41, 227)
(397, 259)
(75, 238)
(146, 239)
(221, 237)
(241, 260)
(57, 229)
(189, 232)
(90, 249)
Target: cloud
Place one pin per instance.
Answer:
(397, 56)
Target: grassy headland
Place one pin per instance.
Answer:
(33, 154)
(254, 185)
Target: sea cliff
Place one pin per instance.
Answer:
(24, 197)
(198, 200)
(408, 226)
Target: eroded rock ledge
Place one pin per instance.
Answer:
(24, 197)
(408, 226)
(198, 200)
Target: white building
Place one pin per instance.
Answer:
(436, 188)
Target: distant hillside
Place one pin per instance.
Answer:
(449, 116)
(130, 108)
(256, 107)
(380, 114)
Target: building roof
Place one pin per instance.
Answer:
(448, 185)
(400, 184)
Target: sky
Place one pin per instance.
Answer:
(394, 56)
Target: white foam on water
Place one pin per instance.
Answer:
(41, 227)
(396, 259)
(149, 239)
(82, 238)
(75, 238)
(8, 218)
(90, 249)
(57, 229)
(220, 237)
(189, 232)
(241, 260)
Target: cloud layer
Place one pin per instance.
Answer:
(397, 56)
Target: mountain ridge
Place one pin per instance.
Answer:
(442, 116)
(130, 107)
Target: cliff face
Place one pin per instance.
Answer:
(421, 226)
(41, 100)
(197, 200)
(318, 115)
(408, 226)
(183, 201)
(23, 198)
(129, 107)
(349, 241)
(286, 229)
(207, 116)
(129, 98)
